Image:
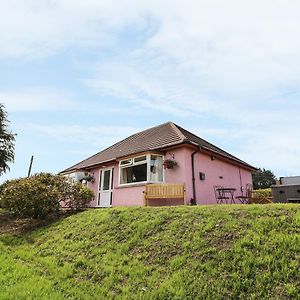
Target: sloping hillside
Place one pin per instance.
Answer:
(217, 252)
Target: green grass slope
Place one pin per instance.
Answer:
(217, 252)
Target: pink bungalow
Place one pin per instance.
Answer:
(163, 155)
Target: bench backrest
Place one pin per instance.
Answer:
(165, 190)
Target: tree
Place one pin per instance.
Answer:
(7, 142)
(263, 179)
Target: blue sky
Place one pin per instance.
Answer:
(77, 76)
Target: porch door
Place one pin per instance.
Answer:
(105, 188)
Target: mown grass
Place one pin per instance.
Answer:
(216, 252)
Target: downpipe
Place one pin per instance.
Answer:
(193, 200)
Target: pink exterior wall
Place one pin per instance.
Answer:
(182, 173)
(217, 172)
(129, 196)
(213, 169)
(94, 185)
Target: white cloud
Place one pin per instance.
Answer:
(34, 100)
(209, 57)
(238, 48)
(234, 45)
(92, 137)
(278, 151)
(38, 28)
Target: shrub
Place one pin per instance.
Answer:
(61, 183)
(42, 194)
(78, 196)
(71, 195)
(26, 197)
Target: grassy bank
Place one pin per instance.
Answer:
(217, 252)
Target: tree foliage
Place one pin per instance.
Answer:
(42, 194)
(7, 142)
(263, 179)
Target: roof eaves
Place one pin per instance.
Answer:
(70, 171)
(99, 163)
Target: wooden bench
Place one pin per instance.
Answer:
(164, 191)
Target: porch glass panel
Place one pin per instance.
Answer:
(156, 168)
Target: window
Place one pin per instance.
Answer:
(147, 168)
(140, 159)
(126, 162)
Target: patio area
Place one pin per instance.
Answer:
(229, 195)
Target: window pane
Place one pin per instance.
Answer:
(126, 162)
(106, 180)
(139, 159)
(156, 168)
(126, 175)
(134, 174)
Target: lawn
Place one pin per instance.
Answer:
(215, 252)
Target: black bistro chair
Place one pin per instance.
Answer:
(245, 199)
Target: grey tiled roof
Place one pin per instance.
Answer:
(155, 138)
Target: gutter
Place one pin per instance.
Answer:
(193, 200)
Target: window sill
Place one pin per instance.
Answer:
(128, 185)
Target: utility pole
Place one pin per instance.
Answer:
(30, 166)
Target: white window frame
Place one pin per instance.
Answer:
(127, 164)
(148, 161)
(141, 162)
